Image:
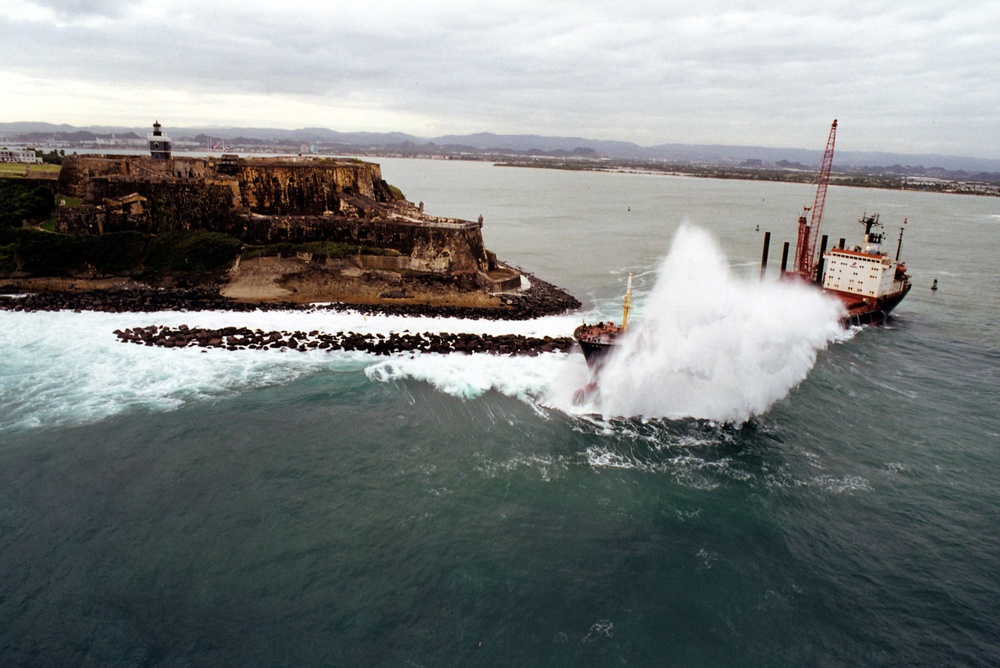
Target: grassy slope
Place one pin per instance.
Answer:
(18, 170)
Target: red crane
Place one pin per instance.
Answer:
(805, 247)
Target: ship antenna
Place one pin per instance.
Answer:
(628, 302)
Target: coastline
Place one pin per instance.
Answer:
(122, 295)
(128, 296)
(936, 180)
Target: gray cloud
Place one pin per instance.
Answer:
(914, 77)
(69, 9)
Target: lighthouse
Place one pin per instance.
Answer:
(159, 143)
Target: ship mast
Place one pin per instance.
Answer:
(628, 302)
(805, 247)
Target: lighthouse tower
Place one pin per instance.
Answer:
(159, 143)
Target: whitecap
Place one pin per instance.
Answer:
(711, 345)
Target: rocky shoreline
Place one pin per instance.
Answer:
(541, 299)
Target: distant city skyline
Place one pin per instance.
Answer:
(912, 78)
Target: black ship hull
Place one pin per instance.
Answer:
(596, 341)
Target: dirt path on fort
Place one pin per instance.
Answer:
(271, 279)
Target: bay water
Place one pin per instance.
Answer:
(754, 488)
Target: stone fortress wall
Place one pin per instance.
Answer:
(264, 200)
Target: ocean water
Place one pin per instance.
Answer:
(751, 486)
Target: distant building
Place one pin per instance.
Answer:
(23, 155)
(159, 143)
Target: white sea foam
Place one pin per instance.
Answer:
(62, 368)
(712, 345)
(69, 368)
(469, 376)
(705, 344)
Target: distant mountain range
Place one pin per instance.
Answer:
(486, 143)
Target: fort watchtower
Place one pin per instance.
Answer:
(159, 143)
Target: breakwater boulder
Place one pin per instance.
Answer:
(242, 338)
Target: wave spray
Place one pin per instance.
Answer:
(711, 345)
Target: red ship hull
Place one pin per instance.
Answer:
(868, 310)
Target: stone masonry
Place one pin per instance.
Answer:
(262, 200)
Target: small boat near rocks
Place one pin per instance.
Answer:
(597, 340)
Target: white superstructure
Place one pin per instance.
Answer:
(864, 270)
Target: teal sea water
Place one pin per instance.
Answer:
(188, 508)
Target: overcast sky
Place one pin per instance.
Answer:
(913, 76)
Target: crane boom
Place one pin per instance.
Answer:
(805, 247)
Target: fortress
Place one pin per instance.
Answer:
(270, 200)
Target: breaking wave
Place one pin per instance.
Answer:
(711, 345)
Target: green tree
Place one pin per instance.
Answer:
(53, 157)
(191, 251)
(20, 201)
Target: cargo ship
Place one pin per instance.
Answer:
(864, 278)
(868, 282)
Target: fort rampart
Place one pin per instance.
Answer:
(265, 200)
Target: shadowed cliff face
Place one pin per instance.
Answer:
(291, 189)
(113, 204)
